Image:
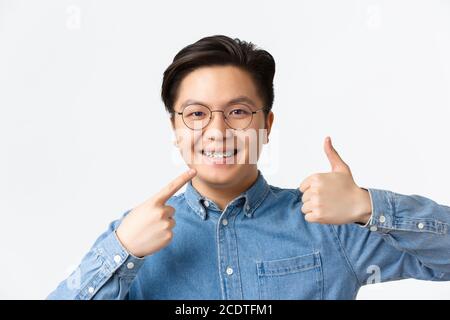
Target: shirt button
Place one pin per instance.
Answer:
(130, 265)
(247, 208)
(229, 271)
(206, 203)
(224, 222)
(420, 225)
(373, 228)
(117, 258)
(382, 219)
(91, 290)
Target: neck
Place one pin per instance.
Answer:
(224, 194)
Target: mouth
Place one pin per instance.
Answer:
(219, 154)
(219, 157)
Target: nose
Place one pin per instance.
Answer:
(217, 128)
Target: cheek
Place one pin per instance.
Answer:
(187, 141)
(249, 144)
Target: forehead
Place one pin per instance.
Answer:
(217, 85)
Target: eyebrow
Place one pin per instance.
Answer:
(240, 99)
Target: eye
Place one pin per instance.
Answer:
(198, 114)
(195, 112)
(239, 112)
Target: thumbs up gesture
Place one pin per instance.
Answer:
(334, 197)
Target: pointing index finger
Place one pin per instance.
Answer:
(175, 185)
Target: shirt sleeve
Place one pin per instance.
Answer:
(407, 236)
(105, 272)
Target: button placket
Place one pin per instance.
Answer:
(227, 241)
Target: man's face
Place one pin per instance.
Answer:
(222, 156)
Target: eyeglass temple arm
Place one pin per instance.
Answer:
(253, 112)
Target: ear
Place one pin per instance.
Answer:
(269, 122)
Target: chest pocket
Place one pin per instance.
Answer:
(291, 278)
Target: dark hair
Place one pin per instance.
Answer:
(220, 50)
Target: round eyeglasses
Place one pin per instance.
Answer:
(198, 116)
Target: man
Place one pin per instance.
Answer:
(237, 237)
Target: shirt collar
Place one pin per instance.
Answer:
(250, 199)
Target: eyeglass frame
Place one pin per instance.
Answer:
(211, 113)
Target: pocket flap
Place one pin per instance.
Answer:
(288, 265)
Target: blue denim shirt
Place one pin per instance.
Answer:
(261, 247)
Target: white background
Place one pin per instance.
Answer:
(84, 135)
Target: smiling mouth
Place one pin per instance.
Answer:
(219, 154)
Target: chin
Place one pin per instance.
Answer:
(224, 175)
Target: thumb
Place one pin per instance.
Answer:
(337, 164)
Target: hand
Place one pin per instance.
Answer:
(334, 198)
(148, 227)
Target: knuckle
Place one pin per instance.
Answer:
(169, 236)
(170, 209)
(160, 213)
(168, 212)
(166, 225)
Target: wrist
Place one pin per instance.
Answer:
(363, 206)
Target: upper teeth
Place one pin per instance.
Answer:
(218, 154)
